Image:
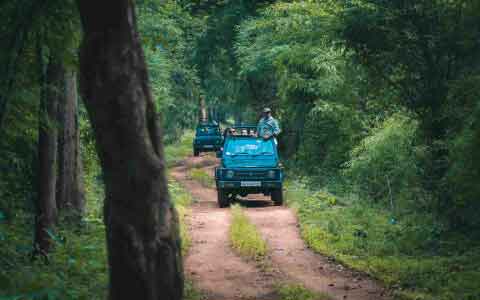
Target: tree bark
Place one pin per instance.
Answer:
(142, 226)
(46, 208)
(70, 191)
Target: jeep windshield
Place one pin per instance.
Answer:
(208, 130)
(251, 147)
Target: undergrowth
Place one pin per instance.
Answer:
(411, 253)
(244, 236)
(77, 267)
(176, 152)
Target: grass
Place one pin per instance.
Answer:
(202, 177)
(77, 268)
(182, 200)
(176, 152)
(410, 253)
(244, 236)
(299, 292)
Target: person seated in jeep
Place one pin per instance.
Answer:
(267, 125)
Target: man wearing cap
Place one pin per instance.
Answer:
(267, 126)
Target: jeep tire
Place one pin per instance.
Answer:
(196, 152)
(277, 197)
(222, 198)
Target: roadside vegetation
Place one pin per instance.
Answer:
(244, 236)
(408, 252)
(77, 269)
(182, 148)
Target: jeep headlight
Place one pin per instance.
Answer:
(272, 174)
(229, 174)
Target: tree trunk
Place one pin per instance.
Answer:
(142, 226)
(70, 191)
(46, 208)
(203, 109)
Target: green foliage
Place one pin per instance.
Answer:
(77, 268)
(385, 164)
(416, 48)
(244, 236)
(176, 152)
(288, 56)
(182, 200)
(168, 33)
(290, 40)
(215, 57)
(26, 27)
(331, 131)
(413, 253)
(298, 292)
(464, 175)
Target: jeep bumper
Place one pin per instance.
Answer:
(249, 185)
(207, 147)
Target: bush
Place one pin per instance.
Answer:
(385, 164)
(463, 176)
(330, 133)
(412, 252)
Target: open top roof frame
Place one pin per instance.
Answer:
(241, 131)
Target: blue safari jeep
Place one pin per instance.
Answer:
(249, 165)
(208, 137)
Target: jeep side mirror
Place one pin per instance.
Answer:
(219, 154)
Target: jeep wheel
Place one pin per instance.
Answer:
(196, 152)
(222, 198)
(277, 197)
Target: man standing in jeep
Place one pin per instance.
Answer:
(267, 126)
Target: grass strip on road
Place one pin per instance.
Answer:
(244, 236)
(202, 177)
(299, 292)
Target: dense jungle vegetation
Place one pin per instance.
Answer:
(378, 102)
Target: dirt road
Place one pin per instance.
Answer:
(222, 275)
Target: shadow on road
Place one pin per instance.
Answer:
(255, 203)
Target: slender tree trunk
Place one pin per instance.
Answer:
(70, 191)
(203, 109)
(142, 226)
(46, 208)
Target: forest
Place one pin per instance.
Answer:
(379, 106)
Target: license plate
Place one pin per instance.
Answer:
(250, 183)
(208, 146)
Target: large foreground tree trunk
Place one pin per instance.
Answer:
(142, 226)
(70, 191)
(46, 208)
